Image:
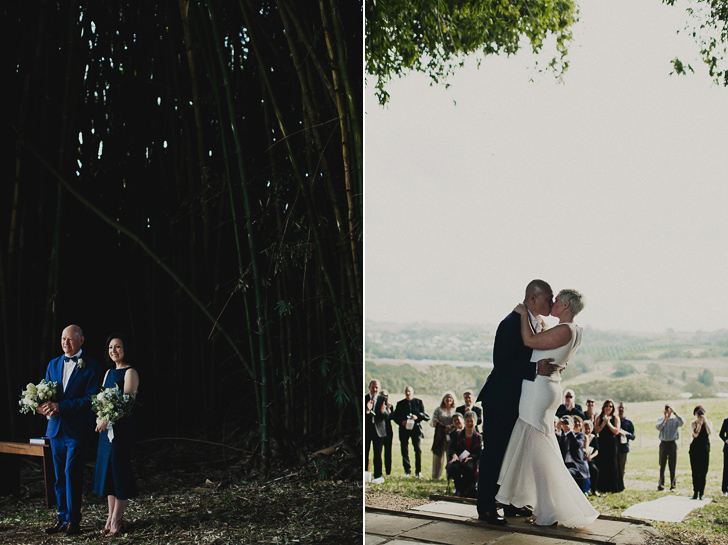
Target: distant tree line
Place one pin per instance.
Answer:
(430, 379)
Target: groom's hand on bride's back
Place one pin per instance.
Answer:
(545, 367)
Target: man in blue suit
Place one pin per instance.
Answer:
(501, 395)
(70, 425)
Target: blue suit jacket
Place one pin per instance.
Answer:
(76, 418)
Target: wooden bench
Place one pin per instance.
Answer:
(44, 451)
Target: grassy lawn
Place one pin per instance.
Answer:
(708, 525)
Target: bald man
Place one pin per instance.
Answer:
(70, 425)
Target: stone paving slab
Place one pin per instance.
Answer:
(389, 525)
(462, 510)
(600, 529)
(370, 539)
(666, 508)
(452, 523)
(526, 539)
(450, 533)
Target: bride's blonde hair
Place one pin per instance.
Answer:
(575, 300)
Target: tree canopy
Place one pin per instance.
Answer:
(710, 29)
(431, 36)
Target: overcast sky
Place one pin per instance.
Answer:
(613, 183)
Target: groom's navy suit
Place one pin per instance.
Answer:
(500, 397)
(70, 432)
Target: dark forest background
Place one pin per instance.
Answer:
(188, 173)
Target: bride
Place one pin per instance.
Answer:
(533, 471)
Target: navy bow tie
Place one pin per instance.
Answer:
(74, 358)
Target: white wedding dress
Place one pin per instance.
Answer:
(533, 471)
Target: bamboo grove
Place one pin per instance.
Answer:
(190, 173)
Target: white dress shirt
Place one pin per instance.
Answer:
(68, 367)
(535, 323)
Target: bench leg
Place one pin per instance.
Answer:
(49, 475)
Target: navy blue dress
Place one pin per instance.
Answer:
(113, 476)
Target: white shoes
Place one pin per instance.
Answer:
(378, 480)
(407, 475)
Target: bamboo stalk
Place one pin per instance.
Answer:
(140, 243)
(260, 310)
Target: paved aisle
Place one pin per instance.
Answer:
(450, 523)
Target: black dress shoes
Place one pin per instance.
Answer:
(59, 526)
(513, 511)
(492, 517)
(72, 529)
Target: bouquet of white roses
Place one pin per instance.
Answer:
(110, 404)
(35, 395)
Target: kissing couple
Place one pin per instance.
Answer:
(521, 465)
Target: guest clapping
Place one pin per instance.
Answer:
(442, 422)
(113, 477)
(607, 428)
(466, 446)
(701, 429)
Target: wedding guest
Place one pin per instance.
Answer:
(387, 441)
(701, 429)
(458, 422)
(442, 422)
(113, 476)
(626, 434)
(590, 413)
(465, 448)
(607, 428)
(569, 406)
(724, 437)
(592, 451)
(469, 405)
(375, 431)
(70, 425)
(409, 415)
(668, 425)
(571, 442)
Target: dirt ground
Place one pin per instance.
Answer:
(198, 498)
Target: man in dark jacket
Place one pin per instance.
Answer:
(626, 435)
(501, 395)
(375, 431)
(469, 405)
(409, 414)
(571, 444)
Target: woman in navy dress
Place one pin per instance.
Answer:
(113, 477)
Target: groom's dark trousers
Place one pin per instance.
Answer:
(500, 397)
(70, 432)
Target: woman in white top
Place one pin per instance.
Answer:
(533, 472)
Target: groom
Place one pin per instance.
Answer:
(70, 425)
(501, 395)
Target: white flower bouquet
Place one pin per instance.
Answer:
(35, 395)
(110, 404)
